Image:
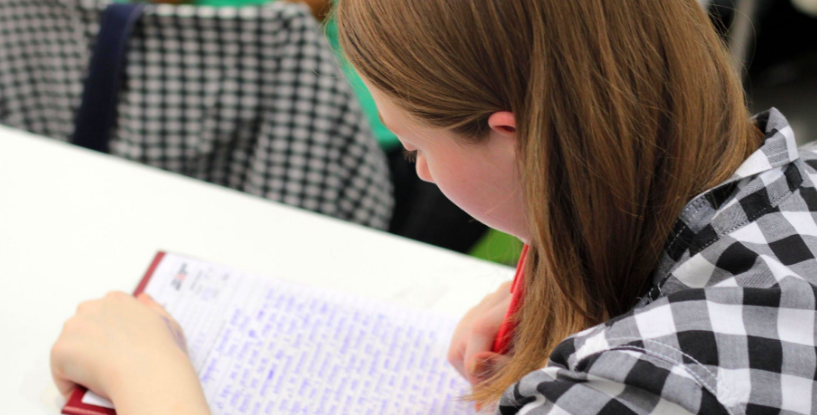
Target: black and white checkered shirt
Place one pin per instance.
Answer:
(729, 326)
(250, 98)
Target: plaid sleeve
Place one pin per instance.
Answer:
(623, 381)
(720, 349)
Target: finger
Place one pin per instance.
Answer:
(483, 335)
(502, 293)
(504, 288)
(65, 386)
(456, 349)
(456, 353)
(145, 299)
(57, 360)
(148, 301)
(118, 295)
(487, 364)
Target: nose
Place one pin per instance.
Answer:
(423, 172)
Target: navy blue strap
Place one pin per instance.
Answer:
(97, 113)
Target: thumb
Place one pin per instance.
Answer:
(66, 387)
(148, 301)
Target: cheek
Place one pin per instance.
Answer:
(459, 182)
(483, 191)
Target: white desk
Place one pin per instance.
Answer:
(76, 224)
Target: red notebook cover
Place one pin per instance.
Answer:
(74, 406)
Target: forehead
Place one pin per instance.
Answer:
(386, 109)
(401, 122)
(392, 116)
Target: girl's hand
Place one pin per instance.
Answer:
(130, 351)
(471, 346)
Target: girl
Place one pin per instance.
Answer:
(670, 238)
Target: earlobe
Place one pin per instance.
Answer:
(503, 123)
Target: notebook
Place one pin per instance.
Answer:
(262, 345)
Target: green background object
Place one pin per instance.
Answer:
(212, 3)
(498, 247)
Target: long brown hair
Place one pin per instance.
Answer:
(625, 111)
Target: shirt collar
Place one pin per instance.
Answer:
(779, 147)
(769, 175)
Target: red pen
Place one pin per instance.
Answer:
(505, 335)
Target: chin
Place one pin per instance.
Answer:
(504, 228)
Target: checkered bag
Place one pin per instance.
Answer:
(248, 98)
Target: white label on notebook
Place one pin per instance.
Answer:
(266, 346)
(91, 398)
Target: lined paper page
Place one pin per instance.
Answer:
(265, 346)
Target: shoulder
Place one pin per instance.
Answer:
(709, 350)
(729, 324)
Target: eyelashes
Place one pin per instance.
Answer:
(411, 156)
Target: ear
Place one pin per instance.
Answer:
(503, 123)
